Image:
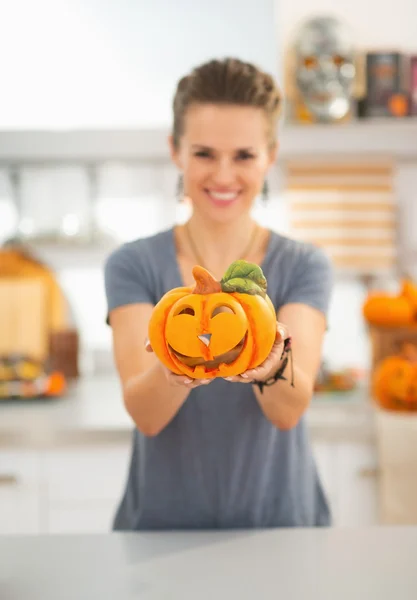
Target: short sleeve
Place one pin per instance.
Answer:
(312, 282)
(125, 279)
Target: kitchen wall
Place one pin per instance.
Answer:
(102, 63)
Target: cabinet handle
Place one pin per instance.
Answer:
(8, 479)
(369, 473)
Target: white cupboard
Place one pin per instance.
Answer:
(349, 474)
(20, 492)
(76, 489)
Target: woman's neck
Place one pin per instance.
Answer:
(216, 245)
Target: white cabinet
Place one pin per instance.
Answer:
(20, 492)
(348, 471)
(76, 488)
(72, 489)
(84, 484)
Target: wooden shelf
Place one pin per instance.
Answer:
(391, 138)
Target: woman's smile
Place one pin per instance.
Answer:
(222, 198)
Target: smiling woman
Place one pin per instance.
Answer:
(220, 439)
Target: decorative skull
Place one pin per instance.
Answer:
(325, 67)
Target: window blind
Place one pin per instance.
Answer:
(349, 209)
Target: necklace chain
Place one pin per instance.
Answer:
(197, 254)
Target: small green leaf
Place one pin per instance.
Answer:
(243, 286)
(245, 278)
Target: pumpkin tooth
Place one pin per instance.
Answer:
(205, 338)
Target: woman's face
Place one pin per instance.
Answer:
(224, 157)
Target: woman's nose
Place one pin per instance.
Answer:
(224, 173)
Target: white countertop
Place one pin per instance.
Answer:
(93, 409)
(293, 564)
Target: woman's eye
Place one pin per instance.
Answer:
(202, 154)
(244, 156)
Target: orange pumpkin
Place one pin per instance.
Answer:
(394, 384)
(384, 309)
(216, 328)
(409, 292)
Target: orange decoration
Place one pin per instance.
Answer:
(383, 309)
(409, 292)
(394, 381)
(57, 384)
(216, 328)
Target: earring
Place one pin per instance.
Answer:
(180, 188)
(265, 192)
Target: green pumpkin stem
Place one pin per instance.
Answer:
(245, 278)
(205, 282)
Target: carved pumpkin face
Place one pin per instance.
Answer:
(206, 332)
(395, 384)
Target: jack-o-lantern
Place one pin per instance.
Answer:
(216, 328)
(394, 383)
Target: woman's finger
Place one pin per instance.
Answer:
(184, 381)
(282, 333)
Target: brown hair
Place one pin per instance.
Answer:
(228, 81)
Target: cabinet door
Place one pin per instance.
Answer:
(84, 486)
(20, 493)
(348, 471)
(326, 460)
(81, 518)
(357, 476)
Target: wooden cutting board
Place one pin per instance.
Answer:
(23, 317)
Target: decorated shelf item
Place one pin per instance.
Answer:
(22, 377)
(394, 381)
(215, 328)
(392, 310)
(328, 380)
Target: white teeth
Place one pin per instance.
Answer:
(223, 196)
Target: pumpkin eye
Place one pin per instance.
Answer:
(338, 60)
(222, 309)
(310, 62)
(185, 311)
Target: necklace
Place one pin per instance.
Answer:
(197, 255)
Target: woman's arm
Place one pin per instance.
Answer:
(151, 394)
(282, 403)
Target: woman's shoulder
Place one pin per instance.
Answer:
(150, 249)
(136, 270)
(291, 253)
(299, 271)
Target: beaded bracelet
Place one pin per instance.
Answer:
(285, 357)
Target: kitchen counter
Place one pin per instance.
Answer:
(93, 410)
(322, 564)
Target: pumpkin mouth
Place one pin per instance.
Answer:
(198, 361)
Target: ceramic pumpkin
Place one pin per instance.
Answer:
(409, 292)
(216, 328)
(394, 384)
(383, 309)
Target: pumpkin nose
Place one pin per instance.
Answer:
(205, 338)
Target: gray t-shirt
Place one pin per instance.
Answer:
(220, 463)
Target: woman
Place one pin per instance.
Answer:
(224, 454)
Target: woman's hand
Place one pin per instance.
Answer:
(178, 380)
(270, 365)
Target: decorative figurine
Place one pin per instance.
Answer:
(325, 67)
